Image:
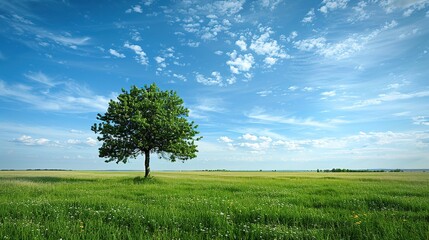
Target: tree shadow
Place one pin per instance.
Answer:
(143, 180)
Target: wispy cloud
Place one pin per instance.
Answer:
(33, 35)
(213, 105)
(272, 119)
(407, 6)
(65, 96)
(344, 48)
(40, 78)
(387, 97)
(206, 107)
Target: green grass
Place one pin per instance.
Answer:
(213, 205)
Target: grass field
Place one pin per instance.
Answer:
(213, 205)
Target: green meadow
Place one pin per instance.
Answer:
(213, 205)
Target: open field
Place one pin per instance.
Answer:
(213, 205)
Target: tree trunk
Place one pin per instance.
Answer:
(146, 163)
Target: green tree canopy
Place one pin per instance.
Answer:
(143, 121)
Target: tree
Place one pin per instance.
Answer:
(144, 121)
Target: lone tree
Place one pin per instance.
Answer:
(143, 121)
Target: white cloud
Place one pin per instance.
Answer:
(135, 8)
(192, 27)
(225, 139)
(264, 93)
(208, 21)
(309, 17)
(116, 53)
(192, 44)
(264, 45)
(159, 59)
(148, 2)
(167, 57)
(330, 5)
(215, 79)
(91, 141)
(292, 36)
(310, 44)
(241, 43)
(421, 120)
(307, 89)
(271, 4)
(218, 52)
(269, 61)
(180, 77)
(30, 141)
(290, 145)
(357, 144)
(293, 88)
(249, 136)
(135, 35)
(240, 63)
(213, 28)
(225, 7)
(73, 142)
(141, 55)
(231, 80)
(328, 94)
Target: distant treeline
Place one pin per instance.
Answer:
(216, 170)
(37, 169)
(358, 170)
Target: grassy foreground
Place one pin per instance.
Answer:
(214, 205)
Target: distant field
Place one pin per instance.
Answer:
(213, 205)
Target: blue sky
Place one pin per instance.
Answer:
(273, 84)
